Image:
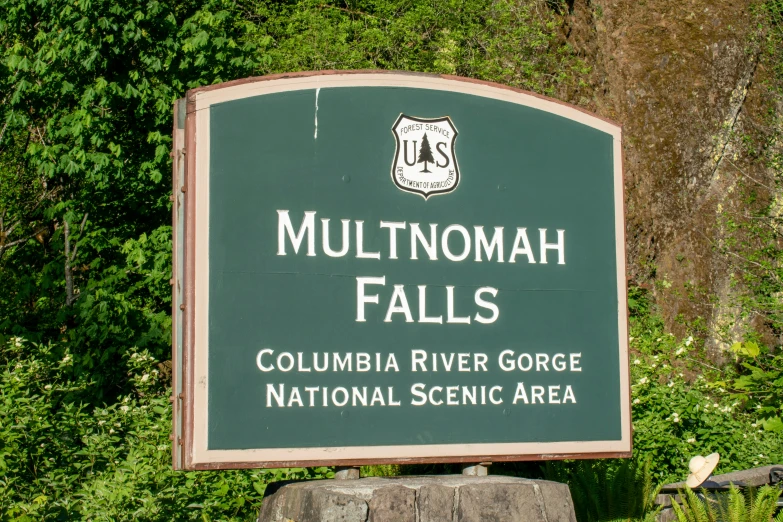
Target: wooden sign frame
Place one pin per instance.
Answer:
(190, 215)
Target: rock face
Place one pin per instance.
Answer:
(453, 498)
(681, 76)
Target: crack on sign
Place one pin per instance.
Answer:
(315, 135)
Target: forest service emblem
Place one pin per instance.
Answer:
(425, 162)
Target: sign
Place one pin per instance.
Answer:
(443, 175)
(330, 309)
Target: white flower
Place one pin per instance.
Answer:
(691, 440)
(753, 425)
(111, 430)
(761, 456)
(658, 340)
(745, 435)
(654, 365)
(716, 405)
(133, 356)
(671, 383)
(48, 387)
(125, 408)
(637, 361)
(636, 401)
(643, 380)
(679, 351)
(101, 422)
(655, 356)
(145, 377)
(664, 365)
(689, 340)
(631, 338)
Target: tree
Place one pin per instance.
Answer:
(425, 153)
(86, 93)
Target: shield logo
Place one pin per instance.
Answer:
(425, 162)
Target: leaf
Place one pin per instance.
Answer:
(772, 424)
(752, 349)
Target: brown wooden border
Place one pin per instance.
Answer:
(188, 285)
(189, 281)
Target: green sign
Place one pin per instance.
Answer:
(396, 268)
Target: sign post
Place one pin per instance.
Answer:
(396, 268)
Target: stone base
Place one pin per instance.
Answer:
(448, 498)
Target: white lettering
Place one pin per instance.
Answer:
(272, 394)
(569, 395)
(444, 243)
(489, 248)
(419, 357)
(417, 236)
(450, 318)
(284, 226)
(403, 308)
(486, 304)
(524, 250)
(421, 397)
(325, 238)
(492, 395)
(393, 227)
(559, 246)
(520, 394)
(423, 308)
(362, 299)
(258, 360)
(360, 253)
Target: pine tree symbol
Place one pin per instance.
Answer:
(425, 153)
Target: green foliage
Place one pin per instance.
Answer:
(760, 385)
(753, 245)
(87, 120)
(62, 460)
(606, 490)
(734, 506)
(507, 41)
(682, 406)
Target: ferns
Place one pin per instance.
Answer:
(605, 491)
(759, 506)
